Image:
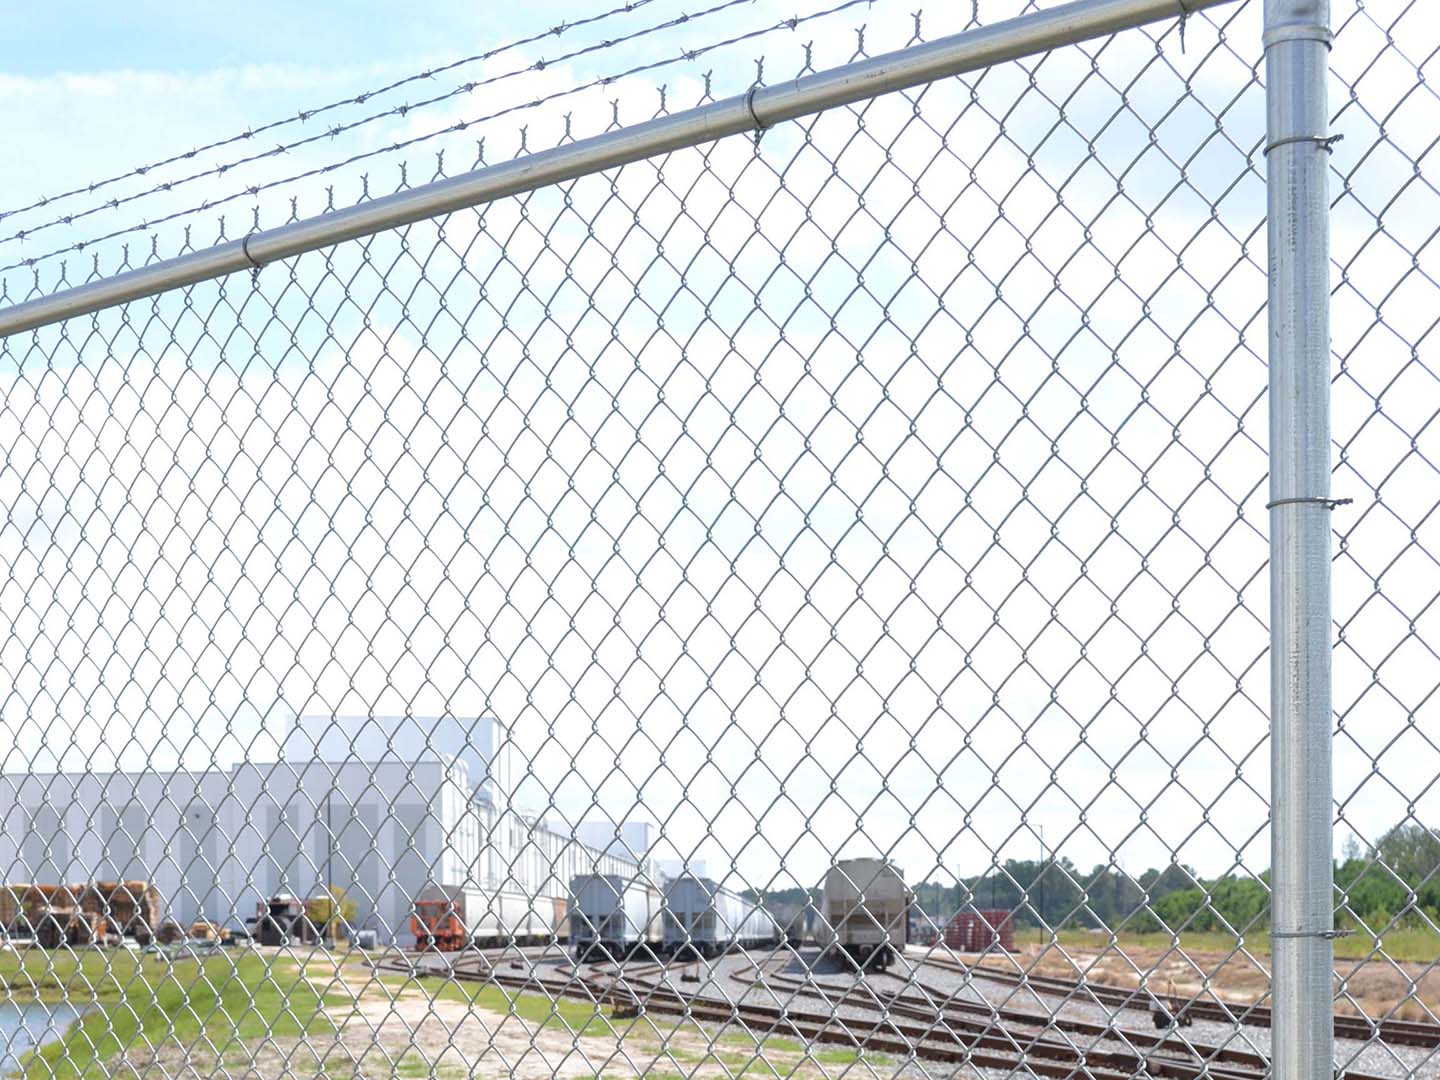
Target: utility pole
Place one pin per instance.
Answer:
(1041, 877)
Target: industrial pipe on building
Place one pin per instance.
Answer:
(1297, 42)
(761, 107)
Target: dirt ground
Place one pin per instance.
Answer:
(386, 1033)
(1378, 987)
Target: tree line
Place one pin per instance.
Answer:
(1394, 882)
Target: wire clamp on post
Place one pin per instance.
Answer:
(1277, 35)
(245, 250)
(1322, 500)
(750, 108)
(1327, 935)
(1325, 142)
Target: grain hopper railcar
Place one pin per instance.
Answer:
(703, 918)
(866, 908)
(613, 916)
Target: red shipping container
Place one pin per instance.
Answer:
(976, 931)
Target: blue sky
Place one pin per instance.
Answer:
(97, 92)
(43, 39)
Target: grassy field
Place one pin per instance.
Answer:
(228, 999)
(537, 1010)
(235, 1006)
(735, 1053)
(225, 1006)
(1419, 946)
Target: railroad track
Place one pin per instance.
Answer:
(887, 1035)
(940, 1007)
(1418, 1033)
(935, 1028)
(587, 982)
(633, 993)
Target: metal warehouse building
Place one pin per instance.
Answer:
(337, 807)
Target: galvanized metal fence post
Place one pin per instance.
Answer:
(1297, 42)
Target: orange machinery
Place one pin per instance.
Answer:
(437, 924)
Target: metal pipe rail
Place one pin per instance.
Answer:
(760, 108)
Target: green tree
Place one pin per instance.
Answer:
(1412, 851)
(1184, 909)
(1241, 901)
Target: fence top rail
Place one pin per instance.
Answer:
(759, 108)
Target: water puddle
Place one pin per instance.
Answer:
(24, 1027)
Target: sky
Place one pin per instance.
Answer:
(894, 487)
(200, 38)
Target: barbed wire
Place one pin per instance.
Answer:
(309, 114)
(253, 190)
(403, 109)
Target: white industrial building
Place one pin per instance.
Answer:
(340, 806)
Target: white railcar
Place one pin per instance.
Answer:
(458, 917)
(613, 915)
(796, 920)
(866, 911)
(704, 918)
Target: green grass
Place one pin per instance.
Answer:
(776, 1044)
(740, 1053)
(771, 1060)
(43, 975)
(418, 1066)
(838, 1056)
(537, 1010)
(138, 999)
(226, 1002)
(825, 1054)
(1418, 945)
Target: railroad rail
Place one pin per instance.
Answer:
(983, 1017)
(592, 982)
(904, 1024)
(1419, 1033)
(940, 1006)
(996, 1050)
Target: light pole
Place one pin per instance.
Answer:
(329, 858)
(1040, 829)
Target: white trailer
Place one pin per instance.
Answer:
(867, 909)
(613, 915)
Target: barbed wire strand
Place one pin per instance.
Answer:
(252, 190)
(309, 114)
(403, 109)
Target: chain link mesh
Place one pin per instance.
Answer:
(793, 606)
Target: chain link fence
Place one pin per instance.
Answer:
(791, 603)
